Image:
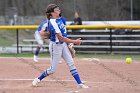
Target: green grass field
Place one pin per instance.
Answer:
(8, 37)
(104, 56)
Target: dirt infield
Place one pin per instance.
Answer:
(102, 76)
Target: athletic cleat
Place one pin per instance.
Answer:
(35, 58)
(83, 82)
(83, 86)
(35, 82)
(60, 62)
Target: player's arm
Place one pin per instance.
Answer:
(45, 33)
(44, 30)
(67, 40)
(44, 27)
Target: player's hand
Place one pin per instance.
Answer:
(78, 41)
(45, 34)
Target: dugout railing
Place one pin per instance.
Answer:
(98, 38)
(104, 41)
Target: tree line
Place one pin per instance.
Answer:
(88, 9)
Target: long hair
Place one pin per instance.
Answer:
(50, 8)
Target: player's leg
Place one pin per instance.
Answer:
(40, 44)
(70, 62)
(55, 52)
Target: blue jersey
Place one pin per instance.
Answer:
(64, 20)
(57, 26)
(43, 26)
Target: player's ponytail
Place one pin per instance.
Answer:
(48, 16)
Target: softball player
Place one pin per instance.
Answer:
(43, 27)
(58, 46)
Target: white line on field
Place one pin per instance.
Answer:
(31, 80)
(51, 80)
(21, 57)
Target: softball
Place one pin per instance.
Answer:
(128, 60)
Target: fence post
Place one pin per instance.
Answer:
(17, 34)
(110, 40)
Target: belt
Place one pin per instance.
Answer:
(58, 42)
